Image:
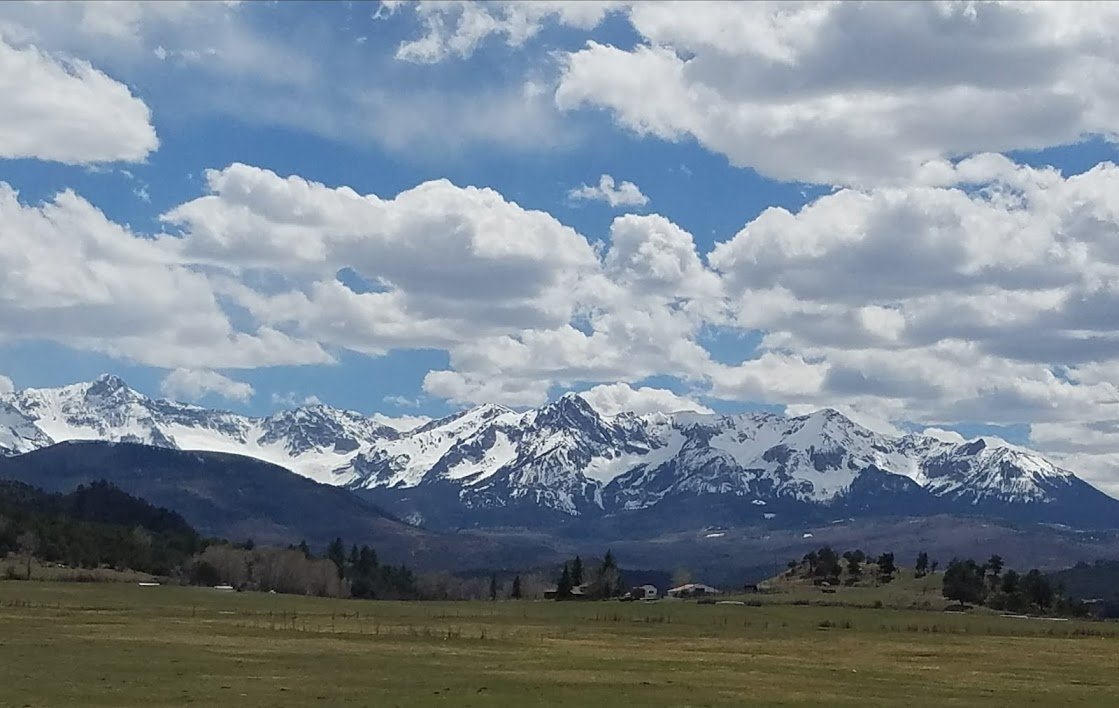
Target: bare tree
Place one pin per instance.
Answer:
(28, 543)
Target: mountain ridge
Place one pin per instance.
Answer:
(491, 464)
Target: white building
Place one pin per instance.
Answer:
(693, 590)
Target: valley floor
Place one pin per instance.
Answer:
(120, 644)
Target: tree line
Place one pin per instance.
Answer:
(964, 581)
(825, 566)
(602, 582)
(93, 526)
(968, 582)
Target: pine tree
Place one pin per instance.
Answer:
(608, 582)
(994, 570)
(366, 561)
(493, 587)
(305, 548)
(336, 553)
(963, 582)
(854, 569)
(577, 572)
(353, 555)
(563, 587)
(886, 567)
(921, 567)
(516, 592)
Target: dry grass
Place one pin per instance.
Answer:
(112, 645)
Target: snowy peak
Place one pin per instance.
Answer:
(109, 387)
(18, 433)
(321, 428)
(563, 456)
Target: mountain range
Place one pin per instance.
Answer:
(566, 466)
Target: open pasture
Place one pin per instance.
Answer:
(120, 644)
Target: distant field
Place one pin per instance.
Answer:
(119, 644)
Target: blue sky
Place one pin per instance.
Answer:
(901, 210)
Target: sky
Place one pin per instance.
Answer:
(908, 212)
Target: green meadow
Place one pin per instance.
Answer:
(116, 644)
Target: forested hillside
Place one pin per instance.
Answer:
(94, 525)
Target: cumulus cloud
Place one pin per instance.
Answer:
(939, 304)
(611, 399)
(845, 93)
(6, 385)
(620, 195)
(193, 384)
(73, 276)
(503, 289)
(64, 110)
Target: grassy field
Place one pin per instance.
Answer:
(65, 644)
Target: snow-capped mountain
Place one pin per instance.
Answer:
(565, 460)
(315, 441)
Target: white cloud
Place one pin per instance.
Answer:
(455, 29)
(291, 399)
(73, 276)
(936, 304)
(193, 384)
(611, 399)
(6, 385)
(623, 194)
(443, 264)
(403, 423)
(212, 37)
(650, 254)
(64, 110)
(845, 93)
(245, 62)
(1099, 469)
(948, 436)
(402, 401)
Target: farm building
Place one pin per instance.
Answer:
(693, 590)
(643, 592)
(579, 592)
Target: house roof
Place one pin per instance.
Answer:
(693, 586)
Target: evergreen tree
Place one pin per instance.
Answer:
(995, 565)
(516, 592)
(493, 587)
(963, 582)
(921, 567)
(353, 555)
(994, 569)
(827, 565)
(305, 548)
(366, 561)
(336, 553)
(886, 567)
(563, 587)
(608, 582)
(1037, 589)
(577, 571)
(1009, 583)
(854, 568)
